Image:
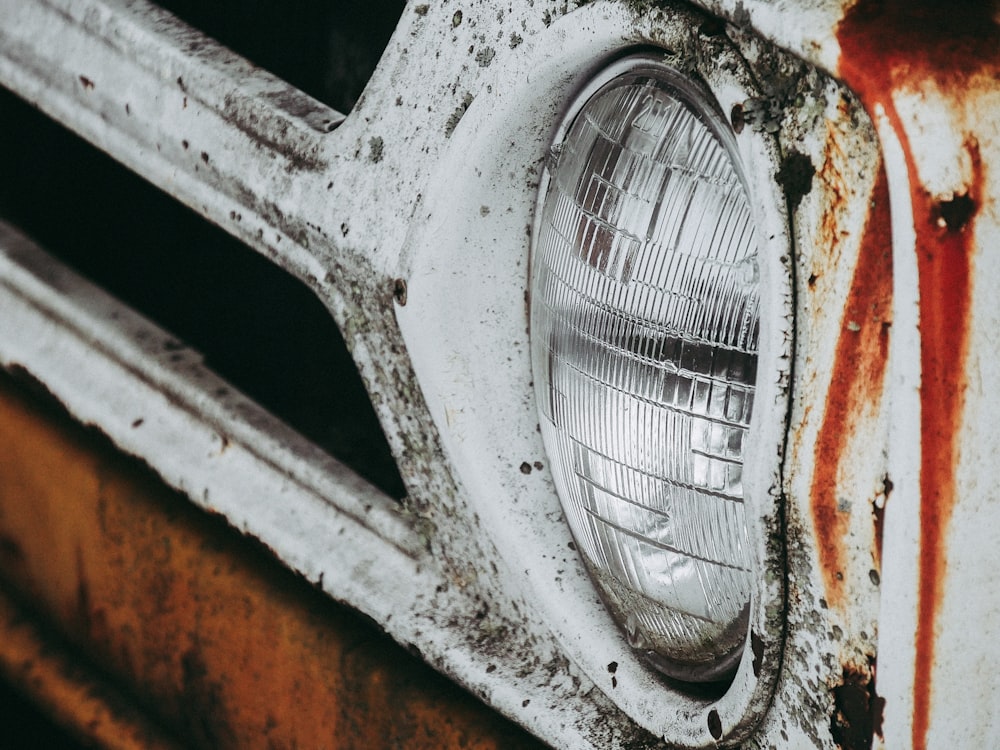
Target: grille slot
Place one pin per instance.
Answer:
(326, 48)
(256, 325)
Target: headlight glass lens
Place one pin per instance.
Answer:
(645, 326)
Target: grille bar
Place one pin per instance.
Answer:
(232, 141)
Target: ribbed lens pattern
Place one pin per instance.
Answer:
(644, 343)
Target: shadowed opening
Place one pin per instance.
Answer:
(327, 48)
(256, 325)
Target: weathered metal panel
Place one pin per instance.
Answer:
(930, 74)
(417, 207)
(112, 368)
(828, 173)
(78, 699)
(230, 140)
(222, 643)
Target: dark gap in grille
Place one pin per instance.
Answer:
(327, 48)
(256, 325)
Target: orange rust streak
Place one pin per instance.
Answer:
(943, 262)
(858, 374)
(888, 46)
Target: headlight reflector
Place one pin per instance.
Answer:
(645, 327)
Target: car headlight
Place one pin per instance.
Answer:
(645, 308)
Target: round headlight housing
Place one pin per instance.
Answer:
(645, 307)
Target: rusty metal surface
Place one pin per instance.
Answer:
(79, 698)
(836, 472)
(218, 640)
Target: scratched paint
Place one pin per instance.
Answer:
(856, 382)
(889, 47)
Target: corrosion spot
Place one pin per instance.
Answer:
(857, 715)
(713, 27)
(185, 144)
(757, 646)
(738, 118)
(86, 82)
(398, 289)
(204, 157)
(137, 423)
(795, 177)
(456, 19)
(376, 146)
(421, 10)
(878, 514)
(612, 667)
(715, 724)
(955, 214)
(485, 56)
(525, 468)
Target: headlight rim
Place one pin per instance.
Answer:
(744, 699)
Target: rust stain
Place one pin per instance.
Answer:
(943, 262)
(894, 45)
(72, 693)
(856, 382)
